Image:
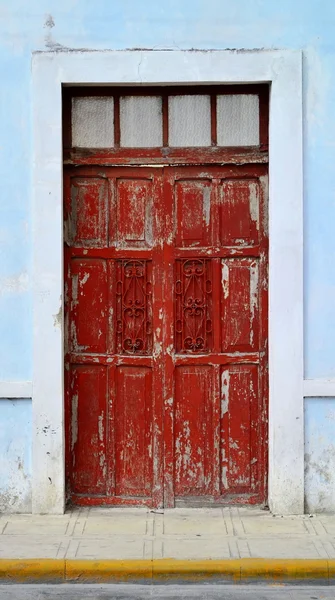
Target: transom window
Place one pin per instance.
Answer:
(229, 116)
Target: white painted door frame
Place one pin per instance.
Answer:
(282, 69)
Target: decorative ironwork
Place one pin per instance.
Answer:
(133, 304)
(194, 306)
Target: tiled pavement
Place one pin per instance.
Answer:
(115, 533)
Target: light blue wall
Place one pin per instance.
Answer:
(109, 24)
(319, 454)
(15, 455)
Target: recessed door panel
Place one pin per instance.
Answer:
(133, 421)
(193, 433)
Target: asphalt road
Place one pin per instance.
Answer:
(165, 592)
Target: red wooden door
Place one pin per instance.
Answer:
(166, 329)
(114, 377)
(215, 340)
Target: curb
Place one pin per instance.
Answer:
(159, 570)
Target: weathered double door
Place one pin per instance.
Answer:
(166, 334)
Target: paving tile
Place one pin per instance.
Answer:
(72, 549)
(282, 548)
(158, 524)
(122, 525)
(273, 526)
(309, 527)
(193, 548)
(328, 523)
(150, 525)
(63, 548)
(233, 548)
(249, 511)
(203, 513)
(185, 525)
(194, 521)
(78, 527)
(28, 547)
(321, 548)
(41, 525)
(148, 549)
(46, 519)
(229, 526)
(317, 526)
(229, 532)
(157, 548)
(3, 525)
(243, 548)
(112, 512)
(113, 548)
(329, 548)
(235, 527)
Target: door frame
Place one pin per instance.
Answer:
(281, 69)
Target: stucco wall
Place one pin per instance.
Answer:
(15, 456)
(319, 454)
(202, 24)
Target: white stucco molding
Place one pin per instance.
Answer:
(283, 70)
(319, 388)
(15, 389)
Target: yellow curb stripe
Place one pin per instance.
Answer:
(45, 569)
(102, 570)
(196, 569)
(239, 570)
(282, 569)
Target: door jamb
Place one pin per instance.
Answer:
(283, 70)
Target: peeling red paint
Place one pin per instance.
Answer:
(166, 325)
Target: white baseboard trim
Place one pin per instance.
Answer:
(313, 388)
(316, 388)
(16, 389)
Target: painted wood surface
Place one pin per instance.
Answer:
(166, 334)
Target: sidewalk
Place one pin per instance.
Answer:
(231, 544)
(219, 533)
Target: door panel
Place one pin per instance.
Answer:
(193, 306)
(239, 212)
(87, 212)
(132, 211)
(88, 385)
(113, 287)
(133, 292)
(89, 306)
(216, 351)
(240, 300)
(166, 334)
(193, 431)
(240, 412)
(133, 431)
(193, 212)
